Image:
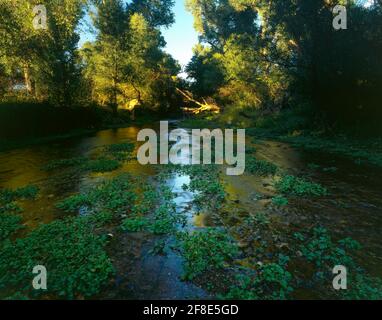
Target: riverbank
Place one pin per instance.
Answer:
(361, 150)
(31, 124)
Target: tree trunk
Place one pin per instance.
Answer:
(28, 81)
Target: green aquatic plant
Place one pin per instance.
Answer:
(271, 282)
(75, 202)
(121, 147)
(291, 185)
(120, 151)
(135, 224)
(74, 256)
(101, 165)
(25, 193)
(260, 167)
(64, 163)
(363, 287)
(206, 250)
(280, 201)
(117, 195)
(9, 224)
(319, 248)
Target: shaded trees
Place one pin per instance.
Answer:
(286, 53)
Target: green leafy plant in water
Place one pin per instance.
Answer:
(9, 224)
(121, 147)
(25, 193)
(258, 218)
(65, 163)
(291, 185)
(272, 282)
(205, 251)
(120, 151)
(101, 165)
(74, 256)
(280, 201)
(135, 224)
(362, 287)
(75, 202)
(319, 249)
(117, 195)
(260, 167)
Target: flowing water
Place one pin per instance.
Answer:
(353, 208)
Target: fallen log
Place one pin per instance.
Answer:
(203, 106)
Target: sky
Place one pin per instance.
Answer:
(181, 37)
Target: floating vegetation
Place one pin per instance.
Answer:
(206, 250)
(291, 185)
(64, 163)
(280, 201)
(75, 257)
(270, 282)
(260, 167)
(9, 224)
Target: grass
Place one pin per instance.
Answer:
(291, 185)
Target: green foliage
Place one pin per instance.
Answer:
(102, 165)
(135, 224)
(362, 287)
(73, 255)
(291, 185)
(116, 195)
(319, 249)
(8, 198)
(206, 182)
(9, 224)
(206, 251)
(280, 201)
(121, 147)
(272, 282)
(64, 163)
(260, 167)
(25, 193)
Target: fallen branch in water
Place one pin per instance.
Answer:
(212, 107)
